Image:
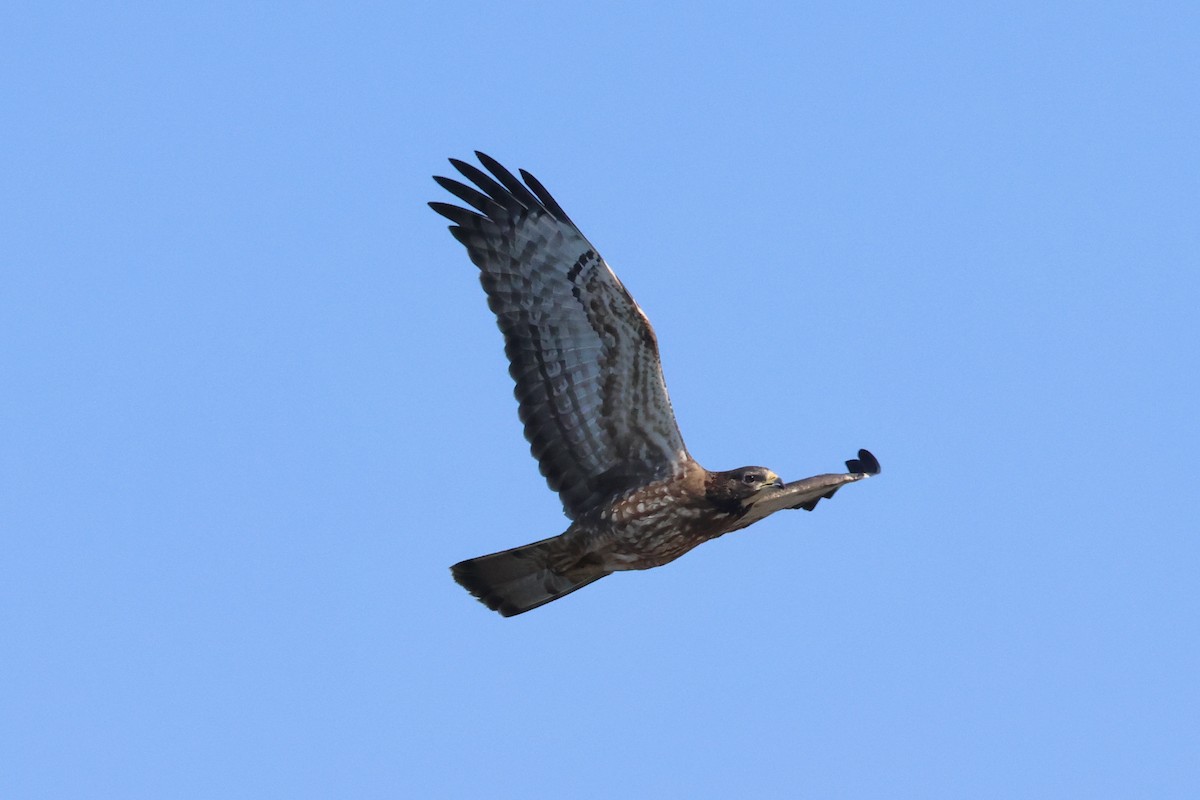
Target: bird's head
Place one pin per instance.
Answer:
(730, 490)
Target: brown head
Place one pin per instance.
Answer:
(729, 491)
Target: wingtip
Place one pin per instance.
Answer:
(865, 464)
(489, 163)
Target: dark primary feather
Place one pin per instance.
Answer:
(584, 358)
(547, 200)
(866, 463)
(475, 199)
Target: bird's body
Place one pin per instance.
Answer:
(595, 406)
(654, 524)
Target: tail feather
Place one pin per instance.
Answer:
(518, 580)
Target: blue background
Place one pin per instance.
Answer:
(254, 405)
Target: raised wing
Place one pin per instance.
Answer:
(583, 355)
(808, 492)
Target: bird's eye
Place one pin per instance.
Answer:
(751, 477)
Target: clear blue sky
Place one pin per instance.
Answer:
(254, 405)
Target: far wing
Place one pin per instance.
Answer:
(583, 355)
(808, 492)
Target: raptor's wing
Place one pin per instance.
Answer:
(582, 353)
(808, 492)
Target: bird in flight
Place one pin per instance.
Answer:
(595, 408)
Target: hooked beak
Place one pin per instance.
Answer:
(773, 480)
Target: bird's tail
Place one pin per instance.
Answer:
(517, 580)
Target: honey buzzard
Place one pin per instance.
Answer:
(594, 404)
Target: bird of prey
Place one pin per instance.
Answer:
(592, 398)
